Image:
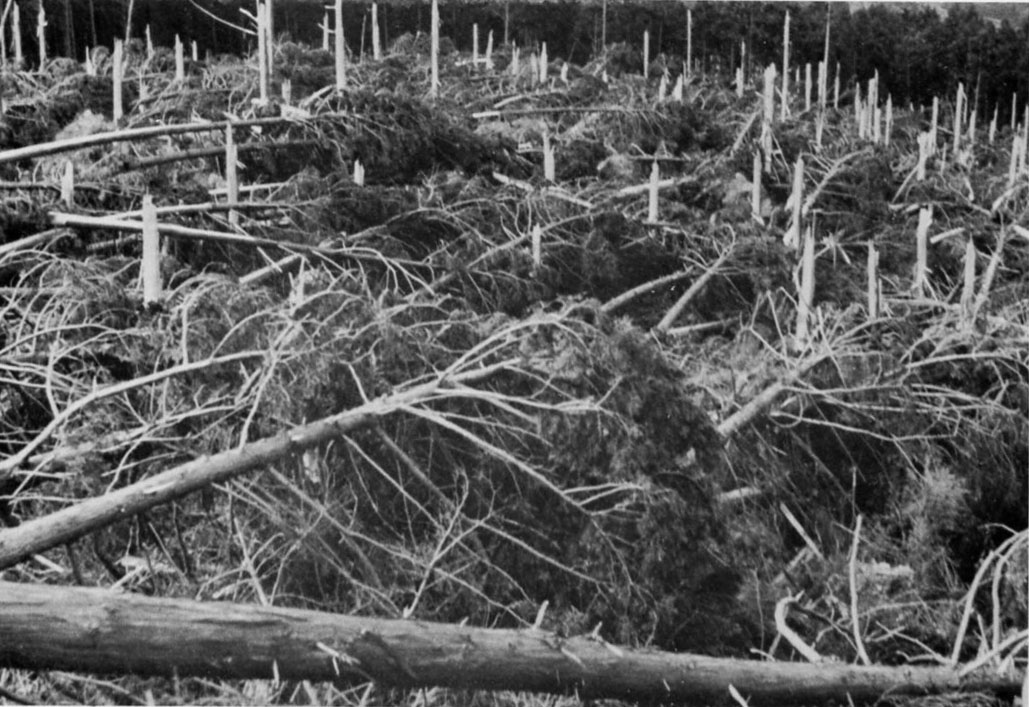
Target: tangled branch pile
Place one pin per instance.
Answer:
(618, 423)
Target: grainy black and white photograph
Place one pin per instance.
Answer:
(514, 353)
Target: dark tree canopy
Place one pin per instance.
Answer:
(919, 50)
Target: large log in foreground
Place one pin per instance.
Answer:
(96, 630)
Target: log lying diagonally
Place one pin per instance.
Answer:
(97, 630)
(83, 141)
(43, 533)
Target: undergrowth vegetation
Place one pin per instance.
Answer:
(552, 449)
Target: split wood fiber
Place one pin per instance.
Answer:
(41, 24)
(150, 267)
(792, 236)
(117, 69)
(769, 116)
(68, 185)
(340, 49)
(652, 192)
(968, 288)
(689, 42)
(925, 220)
(231, 174)
(958, 111)
(836, 88)
(934, 126)
(786, 66)
(376, 36)
(101, 631)
(872, 272)
(807, 86)
(646, 54)
(755, 188)
(262, 52)
(19, 56)
(805, 297)
(549, 166)
(270, 27)
(180, 60)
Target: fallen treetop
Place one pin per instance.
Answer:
(69, 523)
(97, 630)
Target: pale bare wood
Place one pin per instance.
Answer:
(688, 296)
(629, 295)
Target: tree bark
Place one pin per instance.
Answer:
(99, 631)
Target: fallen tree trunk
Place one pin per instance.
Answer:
(55, 147)
(96, 630)
(120, 223)
(69, 523)
(133, 163)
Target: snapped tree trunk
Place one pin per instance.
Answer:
(100, 631)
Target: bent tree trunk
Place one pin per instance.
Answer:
(96, 630)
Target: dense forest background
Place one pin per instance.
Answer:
(920, 50)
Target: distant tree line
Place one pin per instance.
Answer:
(918, 53)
